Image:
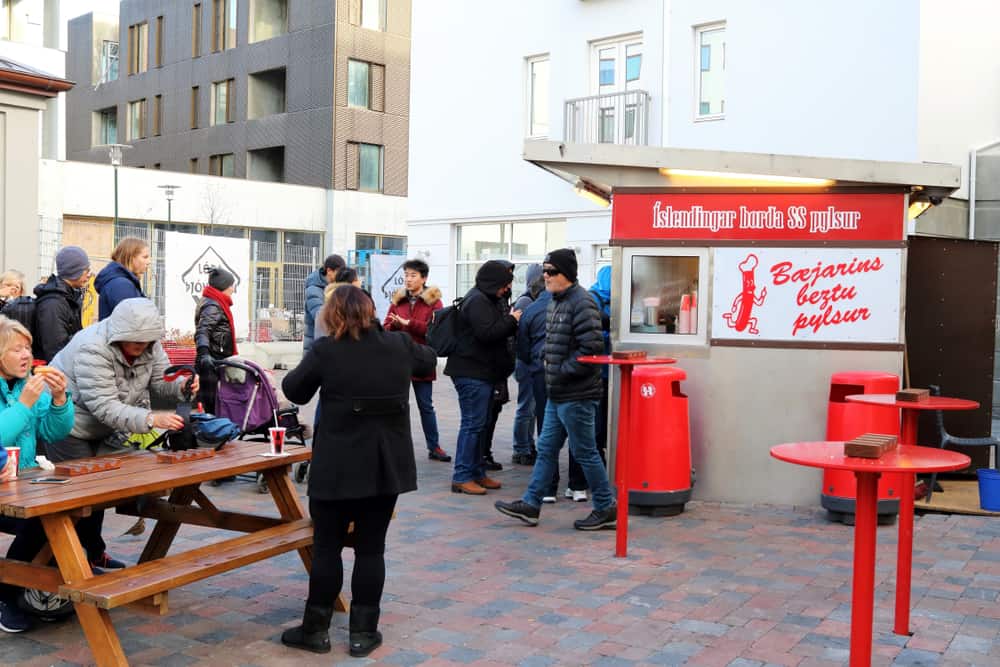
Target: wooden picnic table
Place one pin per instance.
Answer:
(170, 493)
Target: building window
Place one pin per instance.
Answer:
(159, 41)
(157, 115)
(107, 126)
(266, 164)
(138, 48)
(661, 296)
(223, 24)
(109, 61)
(194, 107)
(364, 167)
(193, 165)
(372, 14)
(710, 42)
(522, 243)
(380, 242)
(222, 102)
(196, 30)
(268, 19)
(365, 85)
(221, 165)
(538, 96)
(617, 65)
(137, 120)
(266, 93)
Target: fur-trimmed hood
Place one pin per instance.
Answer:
(430, 295)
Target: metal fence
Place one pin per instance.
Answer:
(615, 118)
(49, 241)
(278, 290)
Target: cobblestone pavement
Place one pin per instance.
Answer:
(719, 585)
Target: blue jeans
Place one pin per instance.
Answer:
(474, 398)
(423, 391)
(576, 420)
(524, 419)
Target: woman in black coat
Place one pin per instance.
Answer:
(215, 332)
(362, 459)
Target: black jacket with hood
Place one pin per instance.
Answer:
(485, 349)
(212, 331)
(57, 316)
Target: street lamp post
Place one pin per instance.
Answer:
(115, 154)
(169, 190)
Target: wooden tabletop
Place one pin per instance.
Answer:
(140, 474)
(904, 458)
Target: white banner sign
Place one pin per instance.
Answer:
(807, 294)
(187, 260)
(386, 273)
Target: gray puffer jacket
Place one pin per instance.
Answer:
(572, 329)
(109, 394)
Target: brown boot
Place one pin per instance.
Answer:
(488, 483)
(470, 488)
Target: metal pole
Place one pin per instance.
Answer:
(168, 210)
(116, 195)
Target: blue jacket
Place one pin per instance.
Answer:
(21, 426)
(114, 284)
(601, 291)
(531, 333)
(315, 285)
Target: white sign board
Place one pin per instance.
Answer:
(187, 260)
(386, 273)
(807, 294)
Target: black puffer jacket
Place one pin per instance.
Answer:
(485, 347)
(572, 329)
(212, 329)
(57, 316)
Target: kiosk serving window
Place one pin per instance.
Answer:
(666, 290)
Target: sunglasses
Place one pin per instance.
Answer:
(551, 272)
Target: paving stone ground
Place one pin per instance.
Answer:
(720, 585)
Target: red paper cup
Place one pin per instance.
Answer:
(277, 439)
(13, 462)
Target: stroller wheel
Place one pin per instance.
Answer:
(302, 472)
(261, 483)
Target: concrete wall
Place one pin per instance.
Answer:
(19, 206)
(834, 79)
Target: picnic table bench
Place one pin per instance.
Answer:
(171, 495)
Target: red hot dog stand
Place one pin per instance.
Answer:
(763, 276)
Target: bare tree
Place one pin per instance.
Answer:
(214, 207)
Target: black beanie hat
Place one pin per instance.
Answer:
(563, 259)
(220, 279)
(493, 275)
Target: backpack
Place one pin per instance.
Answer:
(443, 330)
(22, 309)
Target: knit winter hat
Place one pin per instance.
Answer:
(493, 275)
(220, 279)
(71, 262)
(563, 259)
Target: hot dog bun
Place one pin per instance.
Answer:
(43, 370)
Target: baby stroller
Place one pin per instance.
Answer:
(247, 398)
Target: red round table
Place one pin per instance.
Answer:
(908, 436)
(624, 419)
(907, 459)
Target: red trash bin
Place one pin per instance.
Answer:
(845, 421)
(658, 464)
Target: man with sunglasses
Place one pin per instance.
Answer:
(572, 329)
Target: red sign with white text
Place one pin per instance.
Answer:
(758, 216)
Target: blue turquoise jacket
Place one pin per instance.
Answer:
(22, 427)
(601, 291)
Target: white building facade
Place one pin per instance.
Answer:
(853, 79)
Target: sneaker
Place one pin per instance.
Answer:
(106, 562)
(579, 496)
(519, 510)
(47, 607)
(598, 520)
(490, 464)
(438, 454)
(548, 499)
(568, 493)
(13, 619)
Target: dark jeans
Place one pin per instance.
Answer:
(489, 429)
(331, 518)
(423, 391)
(208, 390)
(524, 432)
(474, 398)
(577, 480)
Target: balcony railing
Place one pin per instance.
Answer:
(616, 118)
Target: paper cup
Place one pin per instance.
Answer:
(277, 434)
(13, 462)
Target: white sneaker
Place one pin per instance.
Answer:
(580, 496)
(548, 499)
(569, 493)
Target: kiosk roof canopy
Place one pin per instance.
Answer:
(607, 167)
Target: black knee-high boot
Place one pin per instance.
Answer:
(314, 633)
(364, 634)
